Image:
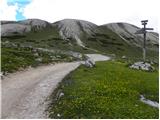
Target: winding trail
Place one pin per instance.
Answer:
(25, 93)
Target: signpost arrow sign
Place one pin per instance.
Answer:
(143, 31)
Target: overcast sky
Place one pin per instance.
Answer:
(96, 11)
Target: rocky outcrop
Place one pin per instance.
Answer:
(89, 62)
(142, 66)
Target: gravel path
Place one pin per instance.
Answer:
(24, 94)
(98, 57)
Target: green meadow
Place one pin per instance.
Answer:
(109, 90)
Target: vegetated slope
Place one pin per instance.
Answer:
(127, 33)
(14, 59)
(110, 42)
(117, 38)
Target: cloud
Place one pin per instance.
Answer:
(13, 9)
(21, 5)
(7, 12)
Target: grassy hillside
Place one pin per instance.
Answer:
(110, 90)
(20, 51)
(47, 38)
(106, 41)
(13, 59)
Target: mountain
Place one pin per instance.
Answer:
(12, 28)
(75, 29)
(36, 23)
(127, 33)
(79, 36)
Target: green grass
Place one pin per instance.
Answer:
(13, 59)
(110, 90)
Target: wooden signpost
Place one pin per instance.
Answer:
(144, 31)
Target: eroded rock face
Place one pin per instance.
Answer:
(142, 66)
(72, 28)
(36, 23)
(12, 29)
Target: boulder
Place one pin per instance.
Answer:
(89, 63)
(142, 66)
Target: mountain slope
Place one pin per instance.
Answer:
(75, 29)
(12, 28)
(127, 33)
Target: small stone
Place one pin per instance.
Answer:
(36, 54)
(136, 105)
(39, 59)
(58, 56)
(124, 57)
(61, 94)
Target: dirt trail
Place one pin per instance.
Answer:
(24, 94)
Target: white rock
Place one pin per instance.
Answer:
(138, 63)
(61, 94)
(123, 57)
(135, 67)
(36, 54)
(147, 64)
(149, 102)
(39, 59)
(90, 63)
(142, 66)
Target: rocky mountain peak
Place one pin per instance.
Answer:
(72, 28)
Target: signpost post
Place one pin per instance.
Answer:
(143, 31)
